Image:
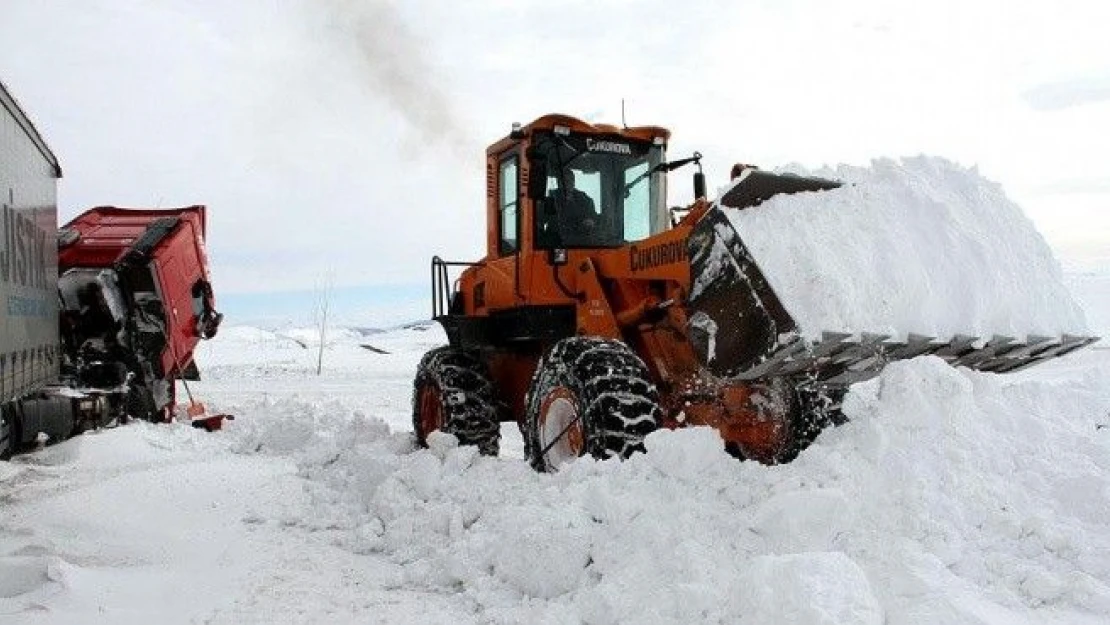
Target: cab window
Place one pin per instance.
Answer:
(614, 178)
(637, 204)
(508, 204)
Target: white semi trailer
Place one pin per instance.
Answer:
(30, 342)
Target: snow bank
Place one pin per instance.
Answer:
(951, 497)
(136, 524)
(920, 245)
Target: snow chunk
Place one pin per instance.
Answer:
(808, 588)
(687, 454)
(441, 443)
(811, 520)
(545, 557)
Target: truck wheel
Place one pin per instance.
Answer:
(453, 393)
(9, 433)
(140, 404)
(588, 396)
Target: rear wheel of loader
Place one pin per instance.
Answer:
(453, 393)
(588, 396)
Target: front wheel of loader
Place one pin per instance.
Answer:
(453, 393)
(815, 408)
(588, 396)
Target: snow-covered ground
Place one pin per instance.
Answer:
(950, 497)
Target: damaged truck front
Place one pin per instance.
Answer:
(99, 320)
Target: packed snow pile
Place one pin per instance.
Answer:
(919, 245)
(950, 497)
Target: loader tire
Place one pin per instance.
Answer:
(588, 396)
(453, 393)
(815, 409)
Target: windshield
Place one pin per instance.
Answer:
(599, 193)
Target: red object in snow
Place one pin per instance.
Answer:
(148, 268)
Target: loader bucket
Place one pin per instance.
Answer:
(757, 186)
(741, 330)
(737, 320)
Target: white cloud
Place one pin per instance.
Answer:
(348, 137)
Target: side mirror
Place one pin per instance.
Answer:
(537, 178)
(699, 185)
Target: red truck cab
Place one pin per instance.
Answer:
(135, 295)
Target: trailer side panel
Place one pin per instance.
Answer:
(30, 347)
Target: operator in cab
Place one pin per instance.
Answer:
(575, 206)
(576, 214)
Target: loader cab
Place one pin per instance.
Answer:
(561, 183)
(595, 190)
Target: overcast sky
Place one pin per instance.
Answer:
(342, 140)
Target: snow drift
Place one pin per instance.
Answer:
(951, 497)
(919, 245)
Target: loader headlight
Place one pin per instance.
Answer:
(561, 130)
(559, 256)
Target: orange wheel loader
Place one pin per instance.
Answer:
(599, 314)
